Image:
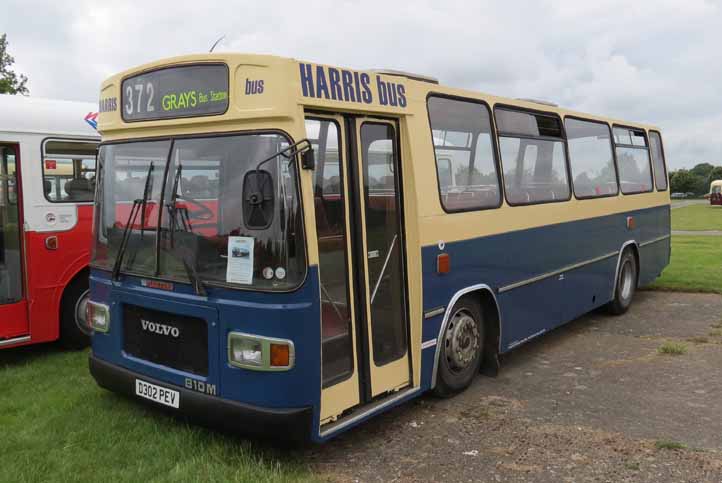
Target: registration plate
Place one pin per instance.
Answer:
(167, 397)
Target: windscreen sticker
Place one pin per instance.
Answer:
(240, 260)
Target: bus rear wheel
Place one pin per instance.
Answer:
(74, 329)
(626, 284)
(461, 348)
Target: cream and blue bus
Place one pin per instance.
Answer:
(289, 248)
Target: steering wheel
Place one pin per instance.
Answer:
(204, 213)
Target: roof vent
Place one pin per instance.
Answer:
(408, 75)
(537, 101)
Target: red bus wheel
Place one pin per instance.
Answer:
(74, 329)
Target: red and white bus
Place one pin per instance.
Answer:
(47, 186)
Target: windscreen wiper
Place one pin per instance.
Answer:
(146, 194)
(193, 276)
(138, 206)
(173, 211)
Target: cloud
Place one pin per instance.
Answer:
(647, 61)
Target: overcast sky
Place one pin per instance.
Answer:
(649, 61)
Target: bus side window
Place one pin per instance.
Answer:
(69, 170)
(633, 161)
(465, 160)
(591, 158)
(533, 155)
(660, 166)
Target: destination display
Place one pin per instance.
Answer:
(172, 92)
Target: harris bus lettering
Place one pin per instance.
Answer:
(108, 104)
(349, 86)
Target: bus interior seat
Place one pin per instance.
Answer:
(78, 188)
(198, 187)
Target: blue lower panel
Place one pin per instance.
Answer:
(506, 259)
(293, 316)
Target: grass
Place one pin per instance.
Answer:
(58, 425)
(664, 444)
(695, 266)
(698, 339)
(672, 348)
(697, 218)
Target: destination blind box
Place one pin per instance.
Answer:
(175, 92)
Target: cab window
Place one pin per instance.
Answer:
(69, 170)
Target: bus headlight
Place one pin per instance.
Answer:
(98, 316)
(260, 353)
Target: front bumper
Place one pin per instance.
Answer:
(282, 424)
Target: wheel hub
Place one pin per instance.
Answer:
(462, 341)
(80, 314)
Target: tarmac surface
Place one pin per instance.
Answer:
(683, 203)
(697, 232)
(591, 401)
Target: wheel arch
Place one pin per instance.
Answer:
(83, 272)
(634, 247)
(491, 312)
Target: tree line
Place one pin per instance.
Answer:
(10, 82)
(695, 180)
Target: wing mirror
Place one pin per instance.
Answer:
(258, 200)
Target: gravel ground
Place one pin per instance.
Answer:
(591, 401)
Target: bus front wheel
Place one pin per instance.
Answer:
(461, 348)
(74, 329)
(626, 284)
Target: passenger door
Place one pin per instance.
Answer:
(382, 254)
(13, 314)
(357, 202)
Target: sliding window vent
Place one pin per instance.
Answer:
(537, 101)
(408, 75)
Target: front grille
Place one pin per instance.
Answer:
(172, 340)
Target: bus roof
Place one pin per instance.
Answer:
(287, 83)
(21, 114)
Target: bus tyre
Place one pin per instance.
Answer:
(74, 330)
(461, 348)
(626, 284)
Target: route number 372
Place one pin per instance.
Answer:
(135, 96)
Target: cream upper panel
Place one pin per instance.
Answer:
(268, 91)
(260, 88)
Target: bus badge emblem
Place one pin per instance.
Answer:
(160, 329)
